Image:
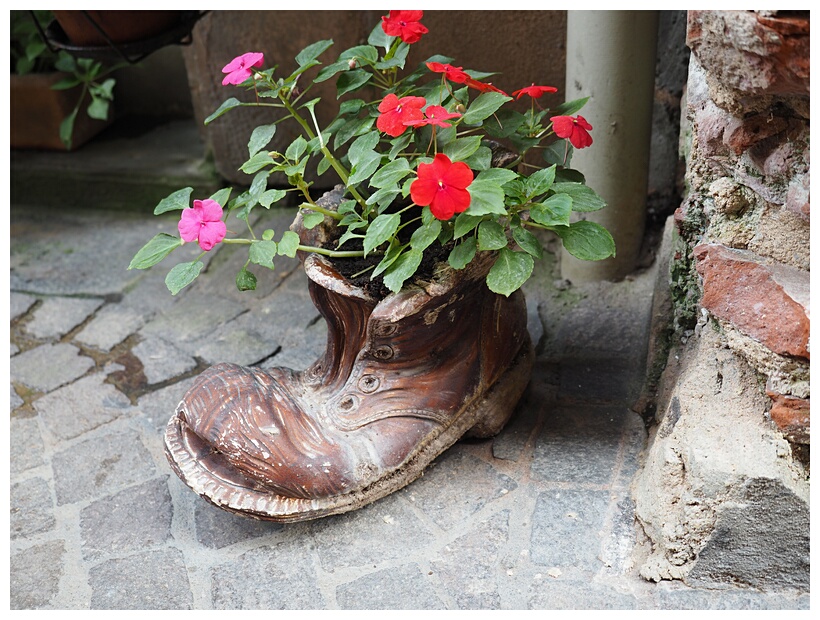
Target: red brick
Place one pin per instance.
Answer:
(769, 303)
(791, 415)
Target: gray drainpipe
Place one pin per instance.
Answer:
(611, 58)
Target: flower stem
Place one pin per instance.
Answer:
(330, 253)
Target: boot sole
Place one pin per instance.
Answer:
(483, 417)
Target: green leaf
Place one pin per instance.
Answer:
(332, 69)
(353, 127)
(288, 244)
(182, 275)
(383, 197)
(380, 230)
(570, 107)
(267, 235)
(587, 240)
(390, 256)
(228, 104)
(539, 182)
(65, 83)
(378, 38)
(312, 51)
(503, 123)
(482, 159)
(363, 146)
(98, 109)
(398, 60)
(491, 236)
(154, 251)
(527, 242)
(483, 106)
(510, 271)
(462, 254)
(296, 149)
(425, 235)
(221, 197)
(486, 197)
(260, 138)
(179, 199)
(311, 219)
(583, 197)
(559, 152)
(257, 162)
(245, 280)
(465, 223)
(366, 52)
(106, 89)
(365, 168)
(498, 176)
(390, 174)
(67, 128)
(404, 268)
(462, 148)
(351, 80)
(554, 211)
(270, 196)
(262, 253)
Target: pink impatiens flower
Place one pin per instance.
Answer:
(435, 115)
(240, 68)
(442, 185)
(405, 25)
(397, 113)
(576, 129)
(203, 223)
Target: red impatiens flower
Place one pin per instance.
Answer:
(397, 113)
(404, 24)
(534, 91)
(435, 115)
(240, 68)
(576, 129)
(203, 223)
(442, 185)
(484, 87)
(454, 74)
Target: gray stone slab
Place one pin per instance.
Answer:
(217, 528)
(272, 577)
(57, 316)
(20, 303)
(470, 482)
(15, 399)
(402, 587)
(151, 580)
(604, 380)
(468, 566)
(161, 360)
(510, 442)
(35, 575)
(32, 509)
(192, 317)
(548, 593)
(110, 326)
(301, 346)
(579, 445)
(77, 251)
(81, 406)
(157, 407)
(128, 521)
(368, 536)
(26, 444)
(245, 340)
(14, 349)
(99, 466)
(619, 546)
(49, 366)
(567, 529)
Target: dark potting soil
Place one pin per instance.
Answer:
(357, 270)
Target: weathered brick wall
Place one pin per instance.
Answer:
(745, 219)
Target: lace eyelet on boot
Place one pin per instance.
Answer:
(348, 403)
(369, 383)
(383, 352)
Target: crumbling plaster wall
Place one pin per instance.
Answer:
(724, 492)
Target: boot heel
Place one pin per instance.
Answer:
(498, 404)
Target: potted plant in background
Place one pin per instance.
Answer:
(49, 89)
(415, 261)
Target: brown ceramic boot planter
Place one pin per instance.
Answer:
(401, 380)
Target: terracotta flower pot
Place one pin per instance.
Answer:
(37, 111)
(401, 380)
(120, 26)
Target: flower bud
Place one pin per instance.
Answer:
(352, 63)
(460, 108)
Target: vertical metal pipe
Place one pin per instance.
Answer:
(611, 58)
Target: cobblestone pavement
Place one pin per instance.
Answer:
(539, 517)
